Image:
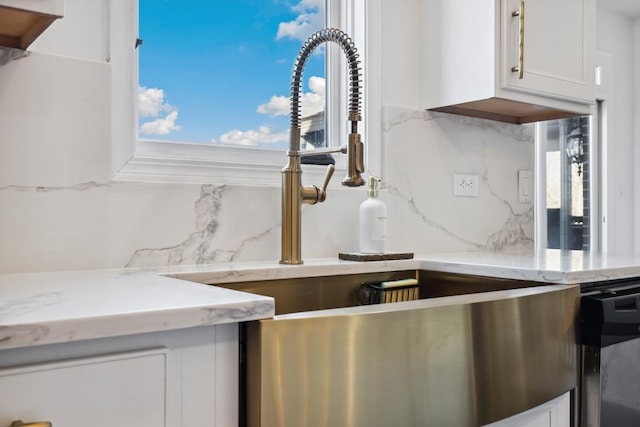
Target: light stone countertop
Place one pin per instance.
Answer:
(46, 308)
(549, 266)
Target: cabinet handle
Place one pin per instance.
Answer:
(19, 423)
(520, 67)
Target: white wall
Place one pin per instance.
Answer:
(60, 210)
(615, 39)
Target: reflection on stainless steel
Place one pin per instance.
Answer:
(464, 361)
(610, 385)
(590, 387)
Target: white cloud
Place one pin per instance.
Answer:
(264, 134)
(277, 106)
(317, 84)
(161, 125)
(151, 102)
(306, 23)
(312, 102)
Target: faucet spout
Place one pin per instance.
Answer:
(294, 194)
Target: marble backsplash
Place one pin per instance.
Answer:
(117, 224)
(422, 151)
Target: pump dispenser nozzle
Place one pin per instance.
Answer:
(373, 186)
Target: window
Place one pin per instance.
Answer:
(164, 145)
(581, 199)
(568, 202)
(216, 72)
(567, 183)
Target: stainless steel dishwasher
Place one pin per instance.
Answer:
(610, 331)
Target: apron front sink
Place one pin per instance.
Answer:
(471, 351)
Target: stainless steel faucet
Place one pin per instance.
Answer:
(294, 194)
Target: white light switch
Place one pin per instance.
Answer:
(525, 186)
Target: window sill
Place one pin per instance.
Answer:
(156, 161)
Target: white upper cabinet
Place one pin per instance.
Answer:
(22, 21)
(559, 46)
(509, 60)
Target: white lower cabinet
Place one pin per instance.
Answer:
(103, 390)
(556, 413)
(177, 378)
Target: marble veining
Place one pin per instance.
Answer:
(396, 116)
(83, 186)
(196, 246)
(409, 199)
(22, 334)
(28, 304)
(224, 315)
(522, 133)
(200, 247)
(512, 235)
(423, 150)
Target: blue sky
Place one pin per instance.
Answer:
(219, 71)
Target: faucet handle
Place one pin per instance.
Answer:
(355, 162)
(322, 195)
(360, 157)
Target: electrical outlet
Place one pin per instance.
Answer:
(465, 185)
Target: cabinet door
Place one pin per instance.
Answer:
(120, 390)
(557, 45)
(555, 413)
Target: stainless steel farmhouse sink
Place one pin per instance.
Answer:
(471, 351)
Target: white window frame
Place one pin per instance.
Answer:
(597, 164)
(161, 161)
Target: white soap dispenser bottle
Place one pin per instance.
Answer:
(373, 221)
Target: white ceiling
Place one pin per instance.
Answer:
(627, 7)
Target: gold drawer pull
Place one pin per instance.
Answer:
(19, 423)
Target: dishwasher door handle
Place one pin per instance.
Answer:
(610, 319)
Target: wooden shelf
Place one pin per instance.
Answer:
(19, 28)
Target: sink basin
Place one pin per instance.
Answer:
(329, 292)
(471, 351)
